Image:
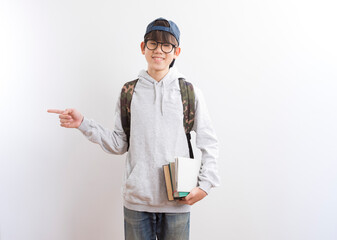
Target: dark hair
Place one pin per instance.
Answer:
(162, 36)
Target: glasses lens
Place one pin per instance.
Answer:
(151, 44)
(166, 47)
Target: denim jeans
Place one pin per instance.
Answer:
(148, 226)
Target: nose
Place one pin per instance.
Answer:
(158, 48)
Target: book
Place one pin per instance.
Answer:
(173, 177)
(168, 182)
(181, 176)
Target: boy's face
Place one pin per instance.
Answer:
(158, 60)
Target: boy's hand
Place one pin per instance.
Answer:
(69, 118)
(194, 196)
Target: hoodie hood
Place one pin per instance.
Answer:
(173, 74)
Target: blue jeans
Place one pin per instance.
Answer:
(148, 226)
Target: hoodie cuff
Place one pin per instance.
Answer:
(85, 125)
(206, 186)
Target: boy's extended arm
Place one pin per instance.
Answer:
(207, 142)
(111, 141)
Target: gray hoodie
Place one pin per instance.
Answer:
(157, 136)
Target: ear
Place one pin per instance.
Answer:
(142, 47)
(177, 52)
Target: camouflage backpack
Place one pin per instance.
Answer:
(187, 97)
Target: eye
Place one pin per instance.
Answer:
(167, 45)
(152, 43)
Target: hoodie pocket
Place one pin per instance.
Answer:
(136, 189)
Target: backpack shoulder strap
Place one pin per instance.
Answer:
(125, 102)
(188, 100)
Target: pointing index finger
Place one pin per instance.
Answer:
(55, 111)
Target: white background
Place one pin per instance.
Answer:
(268, 73)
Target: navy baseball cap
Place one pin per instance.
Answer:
(173, 28)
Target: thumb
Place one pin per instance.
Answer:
(188, 197)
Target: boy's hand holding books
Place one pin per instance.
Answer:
(194, 196)
(181, 178)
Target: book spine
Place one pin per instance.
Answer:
(173, 179)
(168, 182)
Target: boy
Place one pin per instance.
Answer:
(157, 135)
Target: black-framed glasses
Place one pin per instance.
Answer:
(165, 47)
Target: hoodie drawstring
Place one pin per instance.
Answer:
(162, 99)
(155, 93)
(155, 86)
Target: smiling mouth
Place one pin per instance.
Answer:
(158, 58)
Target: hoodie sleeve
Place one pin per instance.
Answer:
(207, 142)
(114, 142)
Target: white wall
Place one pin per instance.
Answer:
(267, 70)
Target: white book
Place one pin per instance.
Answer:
(187, 172)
